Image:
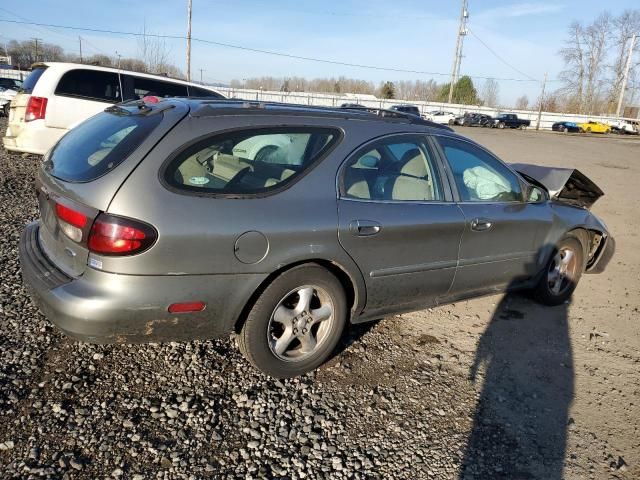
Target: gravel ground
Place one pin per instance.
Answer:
(443, 393)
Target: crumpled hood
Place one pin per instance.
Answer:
(567, 185)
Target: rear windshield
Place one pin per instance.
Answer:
(98, 145)
(30, 82)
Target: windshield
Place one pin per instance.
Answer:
(98, 145)
(30, 82)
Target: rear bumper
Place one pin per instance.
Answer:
(101, 307)
(32, 137)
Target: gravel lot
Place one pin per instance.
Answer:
(496, 388)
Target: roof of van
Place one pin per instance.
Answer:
(63, 66)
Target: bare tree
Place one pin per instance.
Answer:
(490, 91)
(522, 102)
(154, 52)
(624, 26)
(596, 37)
(573, 76)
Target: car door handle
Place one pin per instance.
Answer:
(481, 224)
(364, 228)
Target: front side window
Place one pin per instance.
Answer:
(392, 170)
(91, 85)
(249, 161)
(478, 175)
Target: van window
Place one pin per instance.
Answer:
(202, 92)
(147, 86)
(98, 145)
(31, 80)
(91, 85)
(250, 161)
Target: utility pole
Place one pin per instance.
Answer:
(36, 42)
(457, 58)
(201, 70)
(544, 84)
(80, 40)
(623, 87)
(189, 41)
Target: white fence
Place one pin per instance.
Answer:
(328, 100)
(11, 73)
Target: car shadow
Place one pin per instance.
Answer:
(524, 361)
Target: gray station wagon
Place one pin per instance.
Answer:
(192, 218)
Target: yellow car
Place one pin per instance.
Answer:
(594, 127)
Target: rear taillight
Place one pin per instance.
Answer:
(71, 222)
(112, 235)
(36, 109)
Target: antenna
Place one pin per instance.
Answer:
(120, 77)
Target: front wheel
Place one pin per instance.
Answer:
(523, 127)
(501, 125)
(296, 322)
(5, 110)
(562, 273)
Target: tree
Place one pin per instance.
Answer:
(522, 102)
(463, 92)
(388, 90)
(490, 93)
(624, 26)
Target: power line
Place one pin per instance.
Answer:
(265, 52)
(529, 77)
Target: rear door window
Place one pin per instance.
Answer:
(31, 80)
(157, 88)
(91, 85)
(202, 92)
(249, 161)
(98, 145)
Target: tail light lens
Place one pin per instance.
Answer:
(71, 222)
(118, 236)
(36, 109)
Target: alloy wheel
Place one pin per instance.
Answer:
(300, 323)
(562, 271)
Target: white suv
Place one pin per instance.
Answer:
(56, 97)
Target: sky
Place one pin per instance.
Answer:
(417, 35)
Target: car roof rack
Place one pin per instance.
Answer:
(210, 106)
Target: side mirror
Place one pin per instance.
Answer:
(535, 194)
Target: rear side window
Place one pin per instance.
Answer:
(98, 145)
(146, 86)
(90, 85)
(202, 92)
(31, 80)
(250, 161)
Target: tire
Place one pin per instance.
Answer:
(451, 122)
(565, 130)
(548, 291)
(588, 130)
(5, 110)
(523, 127)
(261, 332)
(501, 125)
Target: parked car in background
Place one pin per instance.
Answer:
(475, 120)
(510, 120)
(443, 118)
(352, 105)
(565, 127)
(594, 127)
(629, 127)
(161, 222)
(10, 83)
(55, 97)
(6, 95)
(412, 109)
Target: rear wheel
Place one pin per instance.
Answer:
(565, 130)
(523, 127)
(296, 322)
(5, 110)
(588, 129)
(562, 273)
